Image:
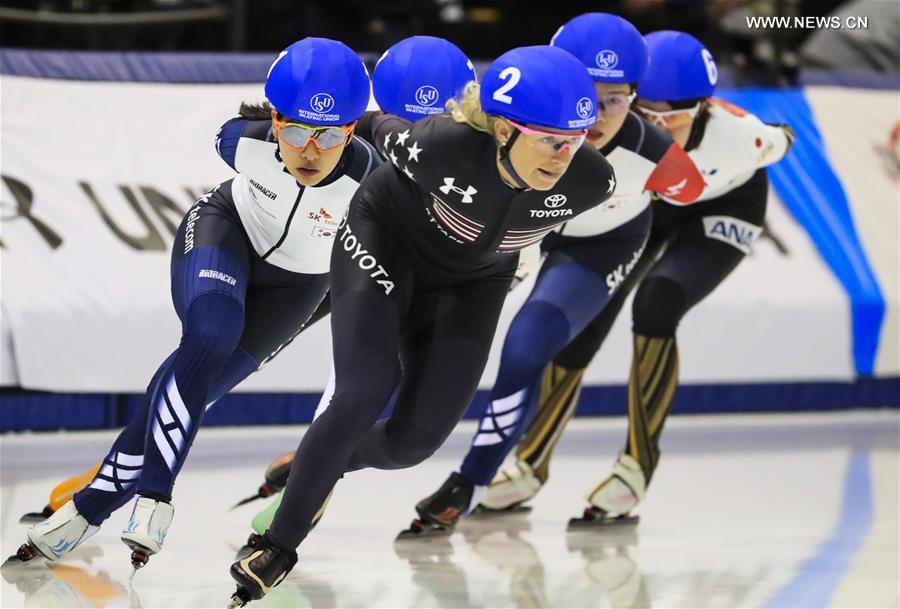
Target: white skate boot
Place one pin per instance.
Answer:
(61, 533)
(146, 531)
(511, 488)
(613, 499)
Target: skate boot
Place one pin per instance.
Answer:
(262, 570)
(146, 531)
(439, 513)
(510, 489)
(54, 537)
(614, 498)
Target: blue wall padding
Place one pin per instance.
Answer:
(811, 189)
(39, 411)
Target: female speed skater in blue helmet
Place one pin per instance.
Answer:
(421, 268)
(249, 266)
(586, 261)
(691, 250)
(414, 79)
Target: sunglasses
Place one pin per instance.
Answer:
(551, 143)
(615, 103)
(663, 119)
(298, 135)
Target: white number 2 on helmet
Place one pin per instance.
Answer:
(513, 74)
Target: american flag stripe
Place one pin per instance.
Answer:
(507, 244)
(467, 234)
(458, 215)
(523, 238)
(458, 218)
(532, 231)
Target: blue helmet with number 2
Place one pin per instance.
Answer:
(540, 85)
(318, 81)
(680, 68)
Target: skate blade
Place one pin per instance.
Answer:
(485, 512)
(601, 522)
(247, 500)
(240, 598)
(420, 529)
(32, 518)
(35, 517)
(24, 555)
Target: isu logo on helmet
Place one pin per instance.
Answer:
(606, 59)
(584, 107)
(557, 200)
(426, 95)
(321, 102)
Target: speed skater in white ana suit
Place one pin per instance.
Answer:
(422, 265)
(587, 259)
(691, 250)
(249, 266)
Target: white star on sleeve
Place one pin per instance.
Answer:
(612, 186)
(401, 137)
(414, 151)
(407, 172)
(387, 140)
(393, 158)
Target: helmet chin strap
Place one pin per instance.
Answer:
(507, 165)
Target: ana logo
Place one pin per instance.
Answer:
(584, 107)
(426, 95)
(732, 231)
(466, 194)
(556, 200)
(606, 59)
(321, 102)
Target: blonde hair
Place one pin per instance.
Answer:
(467, 109)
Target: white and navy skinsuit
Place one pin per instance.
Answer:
(249, 266)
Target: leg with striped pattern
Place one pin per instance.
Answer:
(514, 485)
(651, 391)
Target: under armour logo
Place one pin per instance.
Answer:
(466, 194)
(676, 189)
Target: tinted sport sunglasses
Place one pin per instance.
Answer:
(297, 135)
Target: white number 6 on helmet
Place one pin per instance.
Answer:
(513, 74)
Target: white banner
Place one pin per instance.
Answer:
(96, 176)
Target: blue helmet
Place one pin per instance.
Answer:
(611, 48)
(416, 76)
(318, 81)
(541, 85)
(680, 68)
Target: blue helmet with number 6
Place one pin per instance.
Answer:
(540, 85)
(680, 68)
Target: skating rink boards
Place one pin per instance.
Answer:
(758, 511)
